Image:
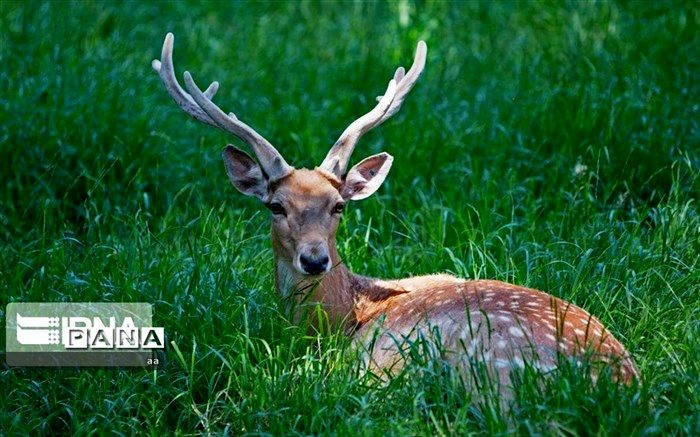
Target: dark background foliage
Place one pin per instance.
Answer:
(550, 145)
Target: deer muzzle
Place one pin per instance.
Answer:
(312, 258)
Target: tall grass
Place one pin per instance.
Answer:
(550, 145)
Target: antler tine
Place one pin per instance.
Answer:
(338, 157)
(166, 71)
(199, 105)
(270, 159)
(407, 81)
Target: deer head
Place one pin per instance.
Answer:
(306, 204)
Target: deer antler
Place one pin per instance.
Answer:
(338, 157)
(199, 105)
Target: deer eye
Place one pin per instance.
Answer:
(338, 208)
(276, 208)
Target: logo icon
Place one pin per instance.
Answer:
(35, 330)
(82, 334)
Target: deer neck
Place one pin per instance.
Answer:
(348, 299)
(334, 291)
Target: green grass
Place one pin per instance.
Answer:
(555, 146)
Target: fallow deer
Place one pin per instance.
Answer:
(506, 326)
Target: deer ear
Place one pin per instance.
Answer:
(245, 174)
(366, 176)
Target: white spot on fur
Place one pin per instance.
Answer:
(580, 332)
(472, 346)
(516, 332)
(543, 367)
(501, 344)
(543, 320)
(501, 364)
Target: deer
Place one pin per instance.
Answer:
(506, 327)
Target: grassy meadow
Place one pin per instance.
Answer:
(551, 145)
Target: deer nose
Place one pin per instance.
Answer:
(314, 265)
